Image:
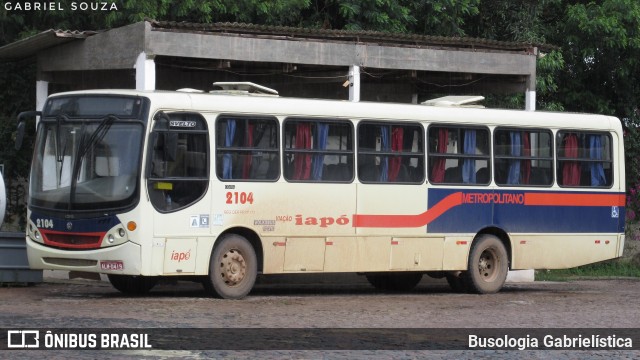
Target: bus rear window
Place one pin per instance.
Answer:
(584, 159)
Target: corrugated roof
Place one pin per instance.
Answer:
(31, 45)
(349, 35)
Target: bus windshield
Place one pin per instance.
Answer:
(86, 165)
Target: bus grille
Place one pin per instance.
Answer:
(69, 262)
(73, 240)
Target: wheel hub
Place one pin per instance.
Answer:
(233, 267)
(486, 264)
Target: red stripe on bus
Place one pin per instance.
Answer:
(455, 199)
(394, 221)
(555, 199)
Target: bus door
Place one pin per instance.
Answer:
(177, 185)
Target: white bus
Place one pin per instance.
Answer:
(223, 186)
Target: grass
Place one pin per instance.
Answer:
(603, 270)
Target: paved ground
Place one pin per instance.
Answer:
(334, 302)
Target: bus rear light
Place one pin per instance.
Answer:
(131, 225)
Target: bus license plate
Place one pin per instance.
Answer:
(112, 265)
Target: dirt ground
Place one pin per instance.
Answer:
(325, 301)
(335, 302)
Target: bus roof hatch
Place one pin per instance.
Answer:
(457, 101)
(244, 87)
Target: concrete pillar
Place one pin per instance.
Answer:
(530, 100)
(354, 83)
(145, 72)
(42, 91)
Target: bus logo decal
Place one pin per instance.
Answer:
(323, 221)
(184, 124)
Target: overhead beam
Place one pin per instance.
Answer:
(316, 52)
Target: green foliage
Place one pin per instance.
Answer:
(444, 17)
(547, 69)
(632, 153)
(612, 268)
(378, 15)
(601, 45)
(508, 20)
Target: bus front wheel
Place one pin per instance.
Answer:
(233, 268)
(488, 265)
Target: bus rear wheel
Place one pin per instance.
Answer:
(488, 265)
(132, 285)
(233, 268)
(394, 282)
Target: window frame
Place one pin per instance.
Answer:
(408, 154)
(509, 157)
(559, 159)
(459, 156)
(312, 120)
(245, 149)
(150, 157)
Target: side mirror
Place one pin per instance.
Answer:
(21, 125)
(20, 135)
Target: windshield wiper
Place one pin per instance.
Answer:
(59, 119)
(85, 145)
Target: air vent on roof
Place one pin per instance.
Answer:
(190, 90)
(456, 101)
(243, 87)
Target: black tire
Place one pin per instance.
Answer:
(132, 285)
(457, 281)
(233, 268)
(394, 282)
(488, 265)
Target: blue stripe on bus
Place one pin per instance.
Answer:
(101, 224)
(508, 210)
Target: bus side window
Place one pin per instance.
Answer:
(318, 150)
(523, 157)
(390, 153)
(247, 148)
(459, 155)
(584, 159)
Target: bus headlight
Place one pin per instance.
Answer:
(111, 238)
